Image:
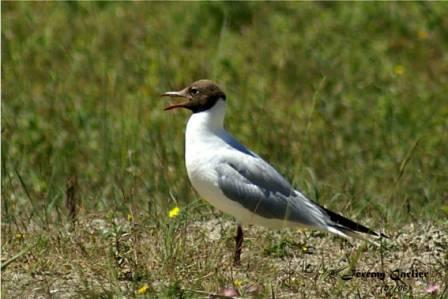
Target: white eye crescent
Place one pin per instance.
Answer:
(194, 91)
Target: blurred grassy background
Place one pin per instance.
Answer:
(348, 101)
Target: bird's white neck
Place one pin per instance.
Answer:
(211, 120)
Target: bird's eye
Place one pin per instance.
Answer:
(194, 91)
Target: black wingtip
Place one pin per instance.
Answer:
(347, 224)
(384, 236)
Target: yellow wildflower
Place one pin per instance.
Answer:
(129, 217)
(174, 212)
(237, 283)
(399, 70)
(422, 34)
(143, 289)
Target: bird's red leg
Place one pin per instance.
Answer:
(239, 246)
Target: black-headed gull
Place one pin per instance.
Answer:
(240, 183)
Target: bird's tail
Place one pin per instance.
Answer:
(346, 228)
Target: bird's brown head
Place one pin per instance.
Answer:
(199, 96)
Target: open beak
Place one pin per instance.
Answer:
(176, 94)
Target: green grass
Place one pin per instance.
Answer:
(348, 101)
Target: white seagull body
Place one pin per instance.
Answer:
(240, 183)
(218, 164)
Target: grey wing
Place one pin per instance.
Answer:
(261, 189)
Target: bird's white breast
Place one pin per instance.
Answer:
(205, 145)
